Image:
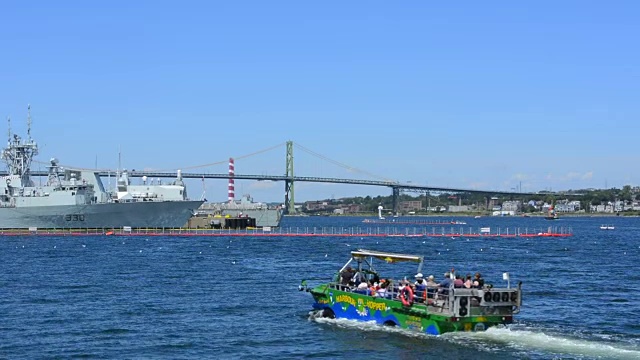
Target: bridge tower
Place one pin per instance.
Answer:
(395, 196)
(289, 203)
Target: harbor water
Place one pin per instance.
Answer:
(220, 297)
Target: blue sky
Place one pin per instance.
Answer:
(467, 94)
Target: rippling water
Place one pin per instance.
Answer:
(224, 297)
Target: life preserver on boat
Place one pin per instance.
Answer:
(406, 296)
(487, 296)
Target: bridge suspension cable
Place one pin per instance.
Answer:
(226, 161)
(47, 163)
(342, 165)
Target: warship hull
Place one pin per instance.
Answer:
(143, 214)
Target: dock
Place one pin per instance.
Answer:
(413, 222)
(433, 232)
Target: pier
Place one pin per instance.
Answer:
(390, 231)
(395, 221)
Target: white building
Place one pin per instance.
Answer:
(512, 206)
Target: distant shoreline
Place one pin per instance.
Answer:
(454, 215)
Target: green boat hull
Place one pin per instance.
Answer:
(431, 318)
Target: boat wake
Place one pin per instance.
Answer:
(525, 340)
(366, 326)
(538, 340)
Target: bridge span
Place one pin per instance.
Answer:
(288, 178)
(396, 187)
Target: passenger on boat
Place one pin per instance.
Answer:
(373, 289)
(421, 288)
(432, 287)
(458, 282)
(382, 291)
(346, 277)
(443, 287)
(478, 281)
(467, 282)
(363, 288)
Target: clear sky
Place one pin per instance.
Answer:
(487, 95)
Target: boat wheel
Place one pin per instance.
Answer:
(328, 313)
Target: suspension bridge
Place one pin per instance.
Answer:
(289, 178)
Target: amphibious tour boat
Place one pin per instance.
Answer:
(432, 309)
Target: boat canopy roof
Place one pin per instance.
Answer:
(386, 256)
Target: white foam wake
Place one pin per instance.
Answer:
(365, 326)
(494, 338)
(557, 344)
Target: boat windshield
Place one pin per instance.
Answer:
(388, 257)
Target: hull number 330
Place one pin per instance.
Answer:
(74, 217)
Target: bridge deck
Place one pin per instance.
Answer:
(391, 184)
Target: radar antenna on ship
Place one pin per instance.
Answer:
(29, 122)
(9, 131)
(119, 162)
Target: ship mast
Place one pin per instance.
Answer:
(18, 155)
(9, 131)
(29, 123)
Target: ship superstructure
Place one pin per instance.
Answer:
(265, 215)
(76, 198)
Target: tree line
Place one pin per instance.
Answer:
(586, 197)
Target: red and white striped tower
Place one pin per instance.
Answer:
(232, 191)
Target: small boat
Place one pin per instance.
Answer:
(429, 310)
(552, 214)
(607, 227)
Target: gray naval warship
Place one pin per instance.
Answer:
(77, 198)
